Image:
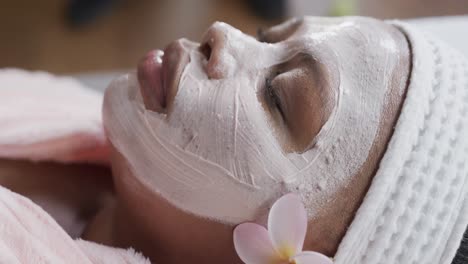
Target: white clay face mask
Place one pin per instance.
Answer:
(216, 154)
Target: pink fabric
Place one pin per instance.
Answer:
(43, 117)
(29, 235)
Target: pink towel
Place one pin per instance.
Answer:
(43, 117)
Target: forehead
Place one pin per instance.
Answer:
(313, 25)
(309, 31)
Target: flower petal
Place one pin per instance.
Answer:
(253, 245)
(310, 257)
(287, 225)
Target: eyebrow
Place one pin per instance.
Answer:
(282, 33)
(303, 58)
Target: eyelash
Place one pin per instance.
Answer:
(261, 35)
(273, 96)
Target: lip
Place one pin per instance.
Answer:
(159, 73)
(149, 74)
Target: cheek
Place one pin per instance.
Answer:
(224, 122)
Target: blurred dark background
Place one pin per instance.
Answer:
(72, 36)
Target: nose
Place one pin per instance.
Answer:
(218, 47)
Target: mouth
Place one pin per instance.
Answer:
(159, 73)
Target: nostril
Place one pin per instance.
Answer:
(205, 49)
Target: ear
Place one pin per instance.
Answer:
(44, 117)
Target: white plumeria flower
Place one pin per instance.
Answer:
(283, 241)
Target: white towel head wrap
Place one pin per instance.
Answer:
(416, 209)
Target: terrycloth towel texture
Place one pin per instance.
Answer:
(416, 209)
(29, 235)
(44, 117)
(49, 118)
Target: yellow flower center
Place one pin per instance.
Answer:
(285, 253)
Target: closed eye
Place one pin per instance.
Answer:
(261, 35)
(272, 96)
(299, 95)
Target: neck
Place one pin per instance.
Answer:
(162, 232)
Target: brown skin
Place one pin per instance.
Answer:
(143, 220)
(330, 227)
(71, 194)
(168, 235)
(298, 124)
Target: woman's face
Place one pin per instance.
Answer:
(223, 127)
(285, 75)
